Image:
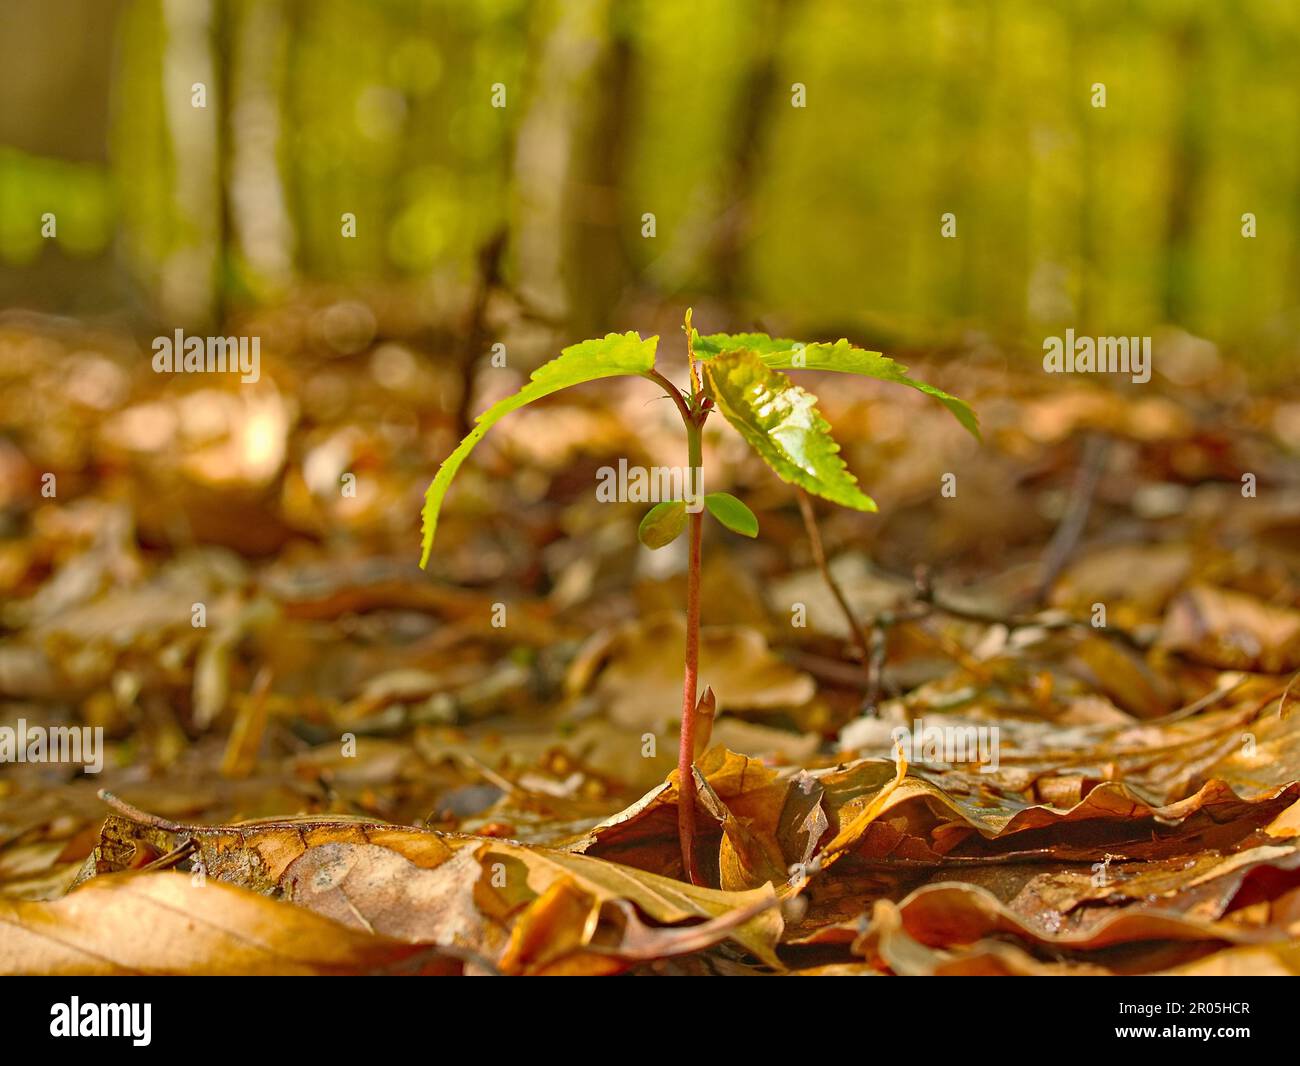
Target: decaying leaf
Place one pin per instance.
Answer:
(637, 674)
(358, 772)
(1233, 631)
(463, 894)
(165, 923)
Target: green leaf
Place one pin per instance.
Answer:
(662, 523)
(780, 353)
(615, 354)
(759, 343)
(732, 513)
(781, 422)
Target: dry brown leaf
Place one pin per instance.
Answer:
(1233, 631)
(887, 943)
(165, 923)
(427, 888)
(253, 854)
(635, 672)
(526, 873)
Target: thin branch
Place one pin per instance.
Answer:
(137, 815)
(926, 597)
(674, 394)
(1066, 538)
(819, 557)
(872, 651)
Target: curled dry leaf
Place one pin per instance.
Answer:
(528, 872)
(888, 945)
(462, 893)
(165, 923)
(494, 898)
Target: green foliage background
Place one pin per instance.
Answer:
(824, 219)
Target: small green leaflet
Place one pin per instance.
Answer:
(732, 513)
(614, 355)
(780, 421)
(783, 354)
(662, 523)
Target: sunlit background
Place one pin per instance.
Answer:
(350, 195)
(824, 218)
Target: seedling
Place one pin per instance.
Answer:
(740, 376)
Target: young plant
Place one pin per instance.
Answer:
(740, 376)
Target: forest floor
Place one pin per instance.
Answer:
(322, 759)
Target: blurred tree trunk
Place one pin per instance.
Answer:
(757, 100)
(190, 278)
(257, 206)
(600, 220)
(1186, 168)
(1086, 116)
(573, 39)
(56, 107)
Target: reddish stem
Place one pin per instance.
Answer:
(693, 412)
(686, 750)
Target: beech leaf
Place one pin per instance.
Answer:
(613, 355)
(780, 353)
(780, 421)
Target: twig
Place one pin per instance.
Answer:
(166, 862)
(927, 595)
(819, 558)
(873, 649)
(137, 815)
(1208, 700)
(1066, 537)
(1281, 707)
